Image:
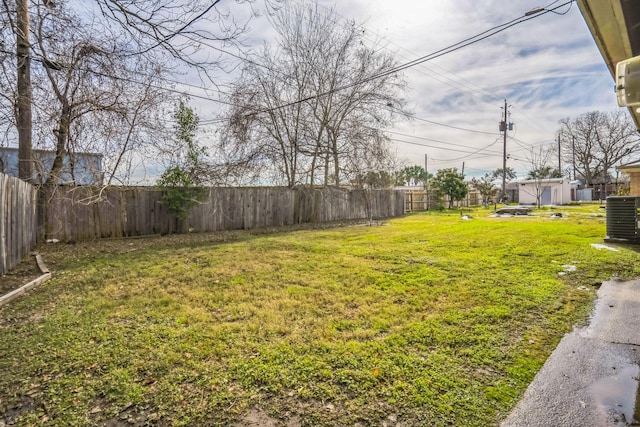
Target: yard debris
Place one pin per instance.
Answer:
(600, 246)
(514, 210)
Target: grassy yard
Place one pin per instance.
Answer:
(425, 320)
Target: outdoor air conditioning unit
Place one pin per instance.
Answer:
(623, 214)
(628, 82)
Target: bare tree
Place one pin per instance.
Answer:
(90, 97)
(595, 142)
(163, 31)
(266, 109)
(8, 74)
(317, 103)
(14, 24)
(23, 99)
(189, 31)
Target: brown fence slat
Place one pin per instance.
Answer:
(84, 213)
(137, 211)
(18, 221)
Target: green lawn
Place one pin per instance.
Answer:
(425, 320)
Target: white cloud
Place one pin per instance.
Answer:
(547, 68)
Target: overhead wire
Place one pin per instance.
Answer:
(475, 153)
(452, 127)
(441, 77)
(431, 146)
(456, 46)
(448, 144)
(130, 80)
(436, 54)
(209, 98)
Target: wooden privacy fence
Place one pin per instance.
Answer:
(18, 221)
(84, 213)
(421, 200)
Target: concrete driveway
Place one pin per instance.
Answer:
(591, 379)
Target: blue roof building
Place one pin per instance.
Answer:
(78, 168)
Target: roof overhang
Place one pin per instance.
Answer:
(544, 181)
(632, 167)
(615, 27)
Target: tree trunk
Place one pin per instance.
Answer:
(336, 166)
(326, 170)
(23, 113)
(62, 134)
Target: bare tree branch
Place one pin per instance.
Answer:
(595, 142)
(311, 110)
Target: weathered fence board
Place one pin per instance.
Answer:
(84, 213)
(18, 221)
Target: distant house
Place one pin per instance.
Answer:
(80, 169)
(552, 191)
(633, 171)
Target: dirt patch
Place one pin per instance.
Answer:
(258, 418)
(22, 274)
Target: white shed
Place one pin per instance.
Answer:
(552, 191)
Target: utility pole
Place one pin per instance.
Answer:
(559, 158)
(573, 150)
(426, 174)
(426, 183)
(504, 125)
(23, 104)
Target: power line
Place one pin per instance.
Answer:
(441, 52)
(39, 59)
(474, 153)
(456, 46)
(436, 140)
(467, 152)
(452, 127)
(483, 94)
(431, 73)
(471, 40)
(427, 145)
(146, 84)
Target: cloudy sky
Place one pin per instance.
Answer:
(546, 68)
